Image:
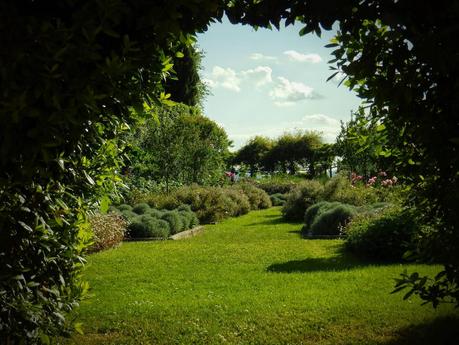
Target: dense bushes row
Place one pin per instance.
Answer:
(337, 189)
(211, 204)
(145, 221)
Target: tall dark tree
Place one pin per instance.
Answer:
(185, 85)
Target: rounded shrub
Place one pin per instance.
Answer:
(155, 213)
(278, 199)
(240, 203)
(141, 208)
(174, 220)
(124, 207)
(384, 236)
(332, 220)
(128, 215)
(184, 207)
(147, 226)
(186, 218)
(315, 210)
(258, 198)
(303, 196)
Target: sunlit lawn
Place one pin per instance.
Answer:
(252, 280)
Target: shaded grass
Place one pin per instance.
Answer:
(250, 280)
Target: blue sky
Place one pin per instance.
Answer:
(267, 82)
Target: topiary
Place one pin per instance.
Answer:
(174, 220)
(141, 208)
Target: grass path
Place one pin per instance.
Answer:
(252, 280)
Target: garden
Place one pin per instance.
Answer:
(107, 157)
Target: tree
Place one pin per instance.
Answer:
(186, 86)
(179, 145)
(253, 154)
(362, 146)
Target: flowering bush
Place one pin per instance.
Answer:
(381, 179)
(108, 231)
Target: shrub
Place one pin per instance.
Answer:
(384, 236)
(340, 189)
(154, 213)
(302, 197)
(184, 207)
(315, 210)
(186, 218)
(279, 184)
(128, 215)
(278, 199)
(175, 221)
(147, 226)
(258, 198)
(124, 207)
(332, 219)
(240, 201)
(108, 231)
(141, 208)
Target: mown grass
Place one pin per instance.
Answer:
(252, 280)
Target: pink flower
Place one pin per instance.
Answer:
(382, 173)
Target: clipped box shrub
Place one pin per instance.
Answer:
(278, 199)
(332, 220)
(124, 207)
(141, 208)
(147, 226)
(303, 196)
(386, 235)
(174, 219)
(108, 231)
(129, 215)
(258, 198)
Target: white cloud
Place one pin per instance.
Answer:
(229, 79)
(287, 93)
(259, 56)
(260, 75)
(293, 55)
(225, 78)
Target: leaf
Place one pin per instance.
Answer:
(89, 178)
(332, 76)
(78, 328)
(380, 128)
(179, 55)
(410, 162)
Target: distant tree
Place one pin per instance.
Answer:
(254, 153)
(179, 145)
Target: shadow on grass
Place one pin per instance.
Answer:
(441, 331)
(274, 220)
(341, 262)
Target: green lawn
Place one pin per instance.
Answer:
(252, 280)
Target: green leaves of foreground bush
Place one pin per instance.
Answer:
(211, 204)
(145, 221)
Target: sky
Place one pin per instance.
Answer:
(269, 82)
